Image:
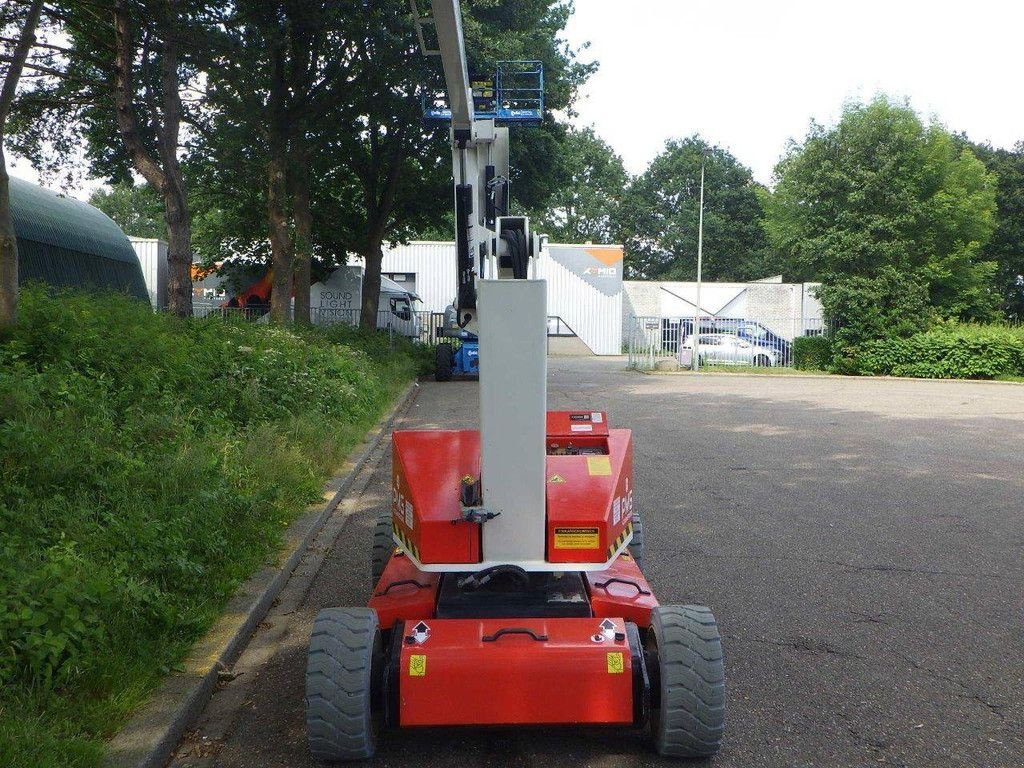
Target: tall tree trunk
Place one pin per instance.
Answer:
(277, 185)
(303, 257)
(176, 210)
(8, 238)
(378, 214)
(162, 173)
(373, 254)
(280, 241)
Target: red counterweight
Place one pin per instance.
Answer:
(516, 671)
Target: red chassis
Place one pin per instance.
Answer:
(573, 666)
(448, 639)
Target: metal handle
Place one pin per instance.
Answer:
(515, 631)
(628, 582)
(401, 583)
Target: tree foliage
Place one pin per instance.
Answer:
(1006, 247)
(890, 304)
(883, 190)
(136, 209)
(349, 132)
(659, 219)
(585, 207)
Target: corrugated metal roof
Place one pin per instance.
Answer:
(66, 242)
(46, 217)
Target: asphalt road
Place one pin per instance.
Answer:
(860, 541)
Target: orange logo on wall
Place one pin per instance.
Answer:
(610, 254)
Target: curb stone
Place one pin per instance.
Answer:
(148, 740)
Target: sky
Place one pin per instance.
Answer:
(750, 75)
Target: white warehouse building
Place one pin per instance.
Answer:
(584, 289)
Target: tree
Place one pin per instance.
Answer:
(352, 127)
(8, 240)
(117, 81)
(881, 189)
(1006, 247)
(135, 209)
(585, 206)
(660, 216)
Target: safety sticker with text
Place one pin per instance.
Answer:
(577, 538)
(616, 664)
(417, 665)
(599, 466)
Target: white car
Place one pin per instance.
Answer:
(728, 349)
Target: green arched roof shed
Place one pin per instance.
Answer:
(68, 243)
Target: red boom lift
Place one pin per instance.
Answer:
(507, 582)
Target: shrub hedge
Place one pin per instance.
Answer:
(952, 351)
(147, 467)
(812, 353)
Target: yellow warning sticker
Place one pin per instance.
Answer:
(616, 664)
(577, 538)
(599, 466)
(556, 479)
(418, 665)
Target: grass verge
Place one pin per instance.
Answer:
(148, 466)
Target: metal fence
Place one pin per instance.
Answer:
(722, 341)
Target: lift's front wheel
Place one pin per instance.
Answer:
(684, 655)
(344, 670)
(444, 361)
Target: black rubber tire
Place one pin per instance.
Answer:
(636, 546)
(343, 668)
(684, 651)
(763, 361)
(444, 360)
(383, 547)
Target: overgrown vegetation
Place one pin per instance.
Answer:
(147, 466)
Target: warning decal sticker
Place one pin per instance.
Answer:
(599, 466)
(577, 538)
(418, 665)
(556, 479)
(616, 664)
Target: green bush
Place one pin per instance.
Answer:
(812, 353)
(947, 352)
(890, 304)
(147, 466)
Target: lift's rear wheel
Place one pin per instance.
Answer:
(636, 546)
(444, 359)
(684, 655)
(383, 546)
(344, 670)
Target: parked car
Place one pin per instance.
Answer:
(748, 330)
(730, 349)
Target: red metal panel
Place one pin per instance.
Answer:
(577, 424)
(404, 592)
(623, 591)
(590, 502)
(427, 469)
(456, 678)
